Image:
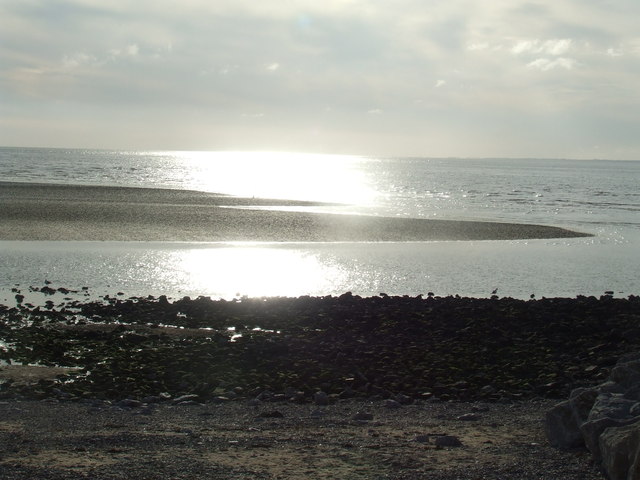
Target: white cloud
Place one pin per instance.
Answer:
(272, 67)
(131, 50)
(554, 47)
(546, 64)
(478, 46)
(76, 60)
(440, 83)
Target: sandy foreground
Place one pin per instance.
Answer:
(282, 440)
(56, 212)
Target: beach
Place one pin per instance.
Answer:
(242, 440)
(100, 213)
(283, 388)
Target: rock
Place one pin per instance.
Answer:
(445, 441)
(562, 422)
(561, 427)
(605, 419)
(469, 417)
(152, 399)
(582, 401)
(488, 390)
(265, 396)
(389, 403)
(403, 399)
(220, 399)
(609, 410)
(592, 430)
(192, 397)
(626, 374)
(271, 414)
(620, 447)
(363, 416)
(321, 398)
(610, 387)
(422, 438)
(128, 403)
(610, 405)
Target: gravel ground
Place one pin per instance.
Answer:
(280, 440)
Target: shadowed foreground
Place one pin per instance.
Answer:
(450, 348)
(281, 440)
(228, 389)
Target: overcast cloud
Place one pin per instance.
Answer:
(455, 78)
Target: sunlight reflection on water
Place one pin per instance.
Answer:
(256, 271)
(301, 176)
(566, 267)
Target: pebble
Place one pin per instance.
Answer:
(469, 417)
(128, 403)
(321, 398)
(403, 399)
(363, 416)
(272, 414)
(390, 403)
(219, 399)
(448, 441)
(185, 398)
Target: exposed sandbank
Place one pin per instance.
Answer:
(64, 212)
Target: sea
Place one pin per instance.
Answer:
(599, 197)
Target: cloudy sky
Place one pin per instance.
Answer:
(463, 78)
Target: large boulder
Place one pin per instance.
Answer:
(620, 447)
(605, 419)
(562, 422)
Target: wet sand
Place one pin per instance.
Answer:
(63, 212)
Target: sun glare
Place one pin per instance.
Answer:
(291, 176)
(235, 270)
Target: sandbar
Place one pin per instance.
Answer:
(100, 213)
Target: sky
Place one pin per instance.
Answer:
(454, 78)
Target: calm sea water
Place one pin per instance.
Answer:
(599, 197)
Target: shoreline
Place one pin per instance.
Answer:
(168, 386)
(101, 213)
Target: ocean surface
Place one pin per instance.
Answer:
(593, 196)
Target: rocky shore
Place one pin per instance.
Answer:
(346, 346)
(253, 380)
(349, 387)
